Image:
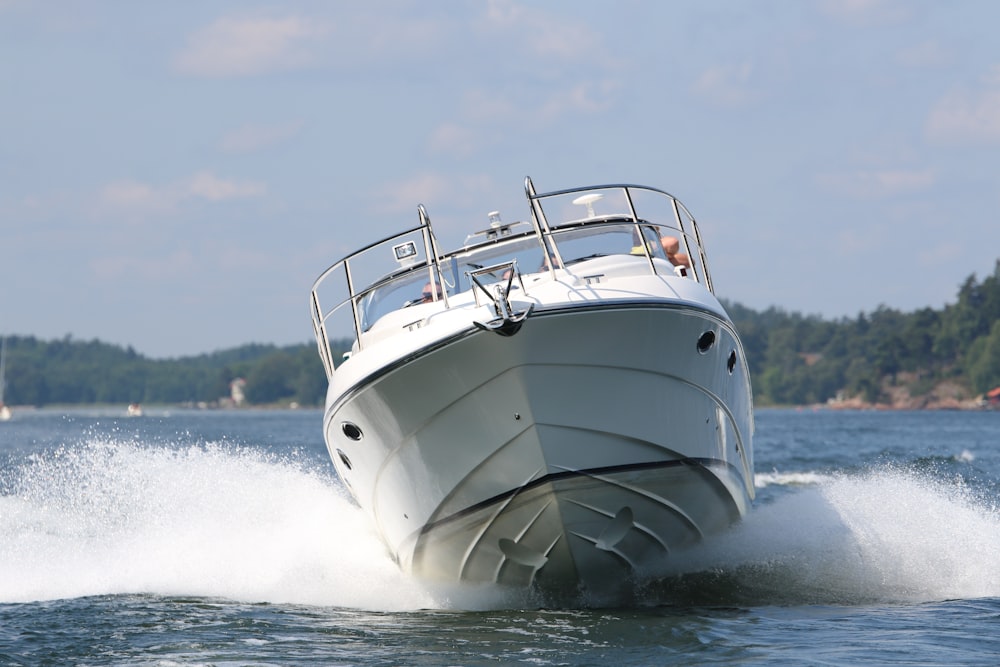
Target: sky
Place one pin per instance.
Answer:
(174, 176)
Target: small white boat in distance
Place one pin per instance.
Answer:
(134, 410)
(559, 403)
(5, 413)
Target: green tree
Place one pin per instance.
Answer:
(982, 361)
(269, 380)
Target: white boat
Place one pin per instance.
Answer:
(5, 413)
(557, 403)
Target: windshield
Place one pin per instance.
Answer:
(567, 227)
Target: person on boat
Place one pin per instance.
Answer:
(427, 293)
(671, 246)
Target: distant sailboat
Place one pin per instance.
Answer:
(5, 413)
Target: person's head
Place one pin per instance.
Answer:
(427, 293)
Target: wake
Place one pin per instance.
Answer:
(887, 535)
(111, 517)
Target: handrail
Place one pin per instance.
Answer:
(432, 262)
(680, 213)
(546, 234)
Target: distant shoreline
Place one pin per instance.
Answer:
(155, 408)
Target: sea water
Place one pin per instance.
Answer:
(225, 538)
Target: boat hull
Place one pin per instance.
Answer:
(582, 450)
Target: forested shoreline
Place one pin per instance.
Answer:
(924, 358)
(73, 372)
(927, 357)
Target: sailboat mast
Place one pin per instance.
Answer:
(3, 365)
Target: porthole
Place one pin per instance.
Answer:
(706, 341)
(344, 459)
(731, 363)
(352, 431)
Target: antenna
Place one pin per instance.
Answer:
(588, 201)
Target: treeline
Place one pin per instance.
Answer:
(794, 360)
(799, 360)
(69, 371)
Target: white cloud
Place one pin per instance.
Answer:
(928, 53)
(586, 97)
(966, 117)
(207, 185)
(140, 199)
(573, 98)
(428, 187)
(565, 41)
(941, 252)
(727, 85)
(543, 34)
(486, 115)
(865, 13)
(405, 195)
(380, 36)
(879, 183)
(250, 46)
(454, 139)
(131, 194)
(252, 137)
(348, 37)
(505, 12)
(489, 106)
(551, 93)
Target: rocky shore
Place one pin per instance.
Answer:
(945, 395)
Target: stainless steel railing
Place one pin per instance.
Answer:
(552, 222)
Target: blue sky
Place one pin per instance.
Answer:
(173, 176)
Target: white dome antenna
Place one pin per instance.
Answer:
(588, 201)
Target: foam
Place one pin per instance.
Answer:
(884, 535)
(119, 517)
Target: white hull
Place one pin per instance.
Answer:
(612, 428)
(545, 437)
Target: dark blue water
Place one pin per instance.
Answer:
(224, 538)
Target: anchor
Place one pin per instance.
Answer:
(507, 322)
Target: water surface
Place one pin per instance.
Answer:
(225, 538)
